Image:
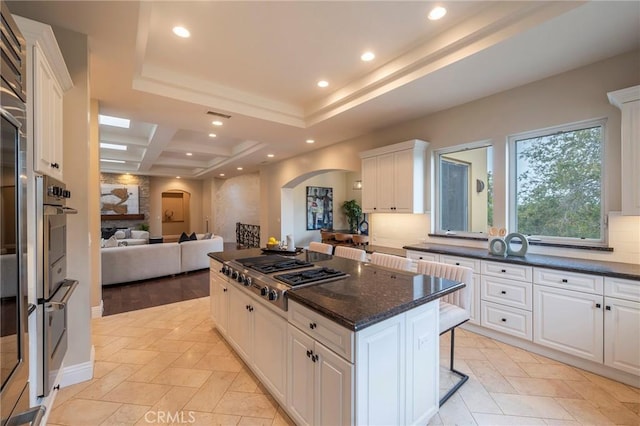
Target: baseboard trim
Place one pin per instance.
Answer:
(593, 367)
(78, 373)
(97, 311)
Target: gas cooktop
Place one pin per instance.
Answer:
(273, 263)
(309, 276)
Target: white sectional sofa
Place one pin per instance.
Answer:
(141, 262)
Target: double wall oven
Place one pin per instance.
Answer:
(53, 287)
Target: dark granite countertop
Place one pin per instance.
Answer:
(369, 295)
(595, 267)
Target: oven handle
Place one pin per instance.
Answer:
(57, 306)
(57, 210)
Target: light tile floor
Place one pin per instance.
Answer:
(166, 365)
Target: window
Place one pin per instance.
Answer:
(556, 183)
(464, 189)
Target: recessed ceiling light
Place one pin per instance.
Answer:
(177, 177)
(323, 83)
(437, 13)
(104, 160)
(181, 32)
(212, 135)
(239, 168)
(114, 121)
(310, 141)
(367, 56)
(189, 154)
(217, 123)
(113, 146)
(270, 155)
(221, 174)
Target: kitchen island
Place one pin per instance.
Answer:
(362, 349)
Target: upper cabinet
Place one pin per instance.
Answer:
(393, 178)
(628, 100)
(47, 80)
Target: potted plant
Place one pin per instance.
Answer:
(353, 211)
(143, 227)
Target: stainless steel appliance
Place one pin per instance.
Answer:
(53, 287)
(271, 276)
(14, 307)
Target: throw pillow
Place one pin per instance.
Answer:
(183, 237)
(207, 236)
(127, 232)
(120, 234)
(111, 242)
(193, 237)
(108, 232)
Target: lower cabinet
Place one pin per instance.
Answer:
(260, 337)
(622, 334)
(320, 383)
(569, 321)
(219, 297)
(394, 378)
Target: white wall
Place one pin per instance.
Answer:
(81, 177)
(235, 200)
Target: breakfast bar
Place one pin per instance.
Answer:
(361, 348)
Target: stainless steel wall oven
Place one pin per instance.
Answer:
(53, 287)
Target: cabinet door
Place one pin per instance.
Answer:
(385, 183)
(403, 181)
(380, 377)
(334, 390)
(630, 158)
(47, 117)
(622, 335)
(423, 366)
(569, 321)
(370, 184)
(270, 343)
(301, 389)
(222, 306)
(240, 322)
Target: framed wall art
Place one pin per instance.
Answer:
(319, 208)
(118, 199)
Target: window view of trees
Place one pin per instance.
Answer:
(558, 184)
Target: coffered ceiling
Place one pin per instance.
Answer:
(259, 62)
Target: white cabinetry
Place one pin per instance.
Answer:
(568, 320)
(219, 296)
(628, 100)
(320, 383)
(622, 324)
(47, 81)
(506, 301)
(393, 178)
(260, 337)
(386, 373)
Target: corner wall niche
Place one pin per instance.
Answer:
(123, 219)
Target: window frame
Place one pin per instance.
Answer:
(437, 219)
(512, 181)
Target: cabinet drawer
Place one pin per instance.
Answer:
(507, 270)
(505, 319)
(517, 294)
(474, 264)
(569, 280)
(330, 334)
(422, 255)
(622, 289)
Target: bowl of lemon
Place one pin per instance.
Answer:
(273, 244)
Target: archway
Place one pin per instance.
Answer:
(293, 201)
(176, 212)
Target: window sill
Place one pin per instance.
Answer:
(531, 243)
